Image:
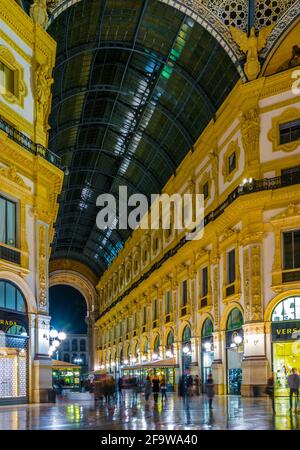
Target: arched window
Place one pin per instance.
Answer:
(156, 344)
(208, 328)
(170, 339)
(288, 309)
(187, 334)
(11, 297)
(235, 319)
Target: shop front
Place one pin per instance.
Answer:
(285, 342)
(207, 353)
(234, 351)
(66, 375)
(13, 344)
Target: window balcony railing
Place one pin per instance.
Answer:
(10, 254)
(185, 310)
(25, 142)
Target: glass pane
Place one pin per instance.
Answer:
(11, 224)
(289, 308)
(2, 293)
(184, 293)
(297, 249)
(297, 307)
(10, 296)
(20, 302)
(288, 250)
(231, 267)
(204, 282)
(2, 220)
(168, 302)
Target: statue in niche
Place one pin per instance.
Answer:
(38, 12)
(251, 46)
(43, 92)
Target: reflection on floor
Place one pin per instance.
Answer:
(128, 412)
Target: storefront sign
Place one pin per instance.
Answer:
(286, 331)
(8, 320)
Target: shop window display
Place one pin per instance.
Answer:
(285, 342)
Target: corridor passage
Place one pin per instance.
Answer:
(130, 413)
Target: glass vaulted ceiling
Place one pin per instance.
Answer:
(136, 82)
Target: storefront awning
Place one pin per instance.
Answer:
(162, 363)
(63, 365)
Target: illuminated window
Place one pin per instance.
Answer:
(288, 309)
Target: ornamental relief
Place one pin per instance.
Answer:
(42, 267)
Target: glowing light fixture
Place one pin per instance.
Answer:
(238, 339)
(186, 349)
(53, 334)
(62, 336)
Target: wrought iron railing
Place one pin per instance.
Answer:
(25, 142)
(244, 189)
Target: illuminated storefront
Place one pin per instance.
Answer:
(68, 375)
(234, 351)
(285, 342)
(13, 344)
(186, 350)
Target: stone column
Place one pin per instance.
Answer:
(42, 364)
(218, 368)
(255, 364)
(91, 340)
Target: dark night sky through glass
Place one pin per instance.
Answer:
(67, 309)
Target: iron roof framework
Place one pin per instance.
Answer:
(136, 82)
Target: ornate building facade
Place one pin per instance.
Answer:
(219, 304)
(30, 180)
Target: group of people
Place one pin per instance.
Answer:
(293, 383)
(189, 385)
(155, 386)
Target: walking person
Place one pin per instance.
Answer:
(210, 390)
(163, 388)
(293, 382)
(147, 388)
(155, 387)
(197, 385)
(270, 391)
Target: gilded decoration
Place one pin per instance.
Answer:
(251, 46)
(43, 82)
(38, 12)
(233, 147)
(288, 115)
(247, 284)
(250, 128)
(10, 173)
(256, 282)
(43, 266)
(20, 88)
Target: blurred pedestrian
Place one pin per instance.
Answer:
(190, 383)
(163, 388)
(147, 388)
(270, 391)
(155, 387)
(293, 382)
(197, 385)
(210, 390)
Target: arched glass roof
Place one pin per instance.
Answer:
(136, 82)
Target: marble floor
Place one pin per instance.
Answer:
(130, 413)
